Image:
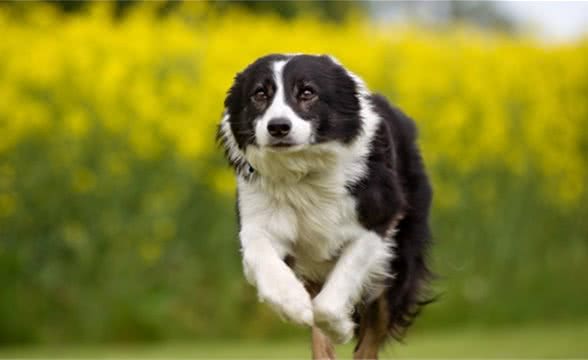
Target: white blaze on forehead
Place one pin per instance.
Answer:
(300, 132)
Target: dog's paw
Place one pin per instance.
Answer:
(334, 320)
(287, 296)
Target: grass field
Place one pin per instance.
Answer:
(561, 341)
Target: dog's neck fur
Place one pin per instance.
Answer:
(291, 167)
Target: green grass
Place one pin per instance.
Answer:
(562, 341)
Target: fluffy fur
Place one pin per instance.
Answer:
(337, 187)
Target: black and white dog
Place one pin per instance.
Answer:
(333, 200)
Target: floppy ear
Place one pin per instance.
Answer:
(236, 109)
(230, 124)
(344, 122)
(234, 97)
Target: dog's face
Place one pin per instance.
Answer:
(291, 102)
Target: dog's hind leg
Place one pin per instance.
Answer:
(373, 330)
(322, 347)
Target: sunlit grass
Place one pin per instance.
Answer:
(561, 341)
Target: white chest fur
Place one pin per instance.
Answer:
(301, 202)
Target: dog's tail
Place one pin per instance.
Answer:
(409, 290)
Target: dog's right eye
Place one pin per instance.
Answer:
(260, 95)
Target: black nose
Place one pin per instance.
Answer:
(279, 127)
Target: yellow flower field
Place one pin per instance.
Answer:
(481, 100)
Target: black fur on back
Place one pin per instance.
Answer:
(397, 183)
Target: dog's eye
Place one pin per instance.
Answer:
(260, 95)
(307, 93)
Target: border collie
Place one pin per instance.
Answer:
(333, 200)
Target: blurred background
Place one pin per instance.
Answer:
(117, 227)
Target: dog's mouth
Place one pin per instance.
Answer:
(284, 145)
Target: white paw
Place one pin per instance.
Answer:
(333, 319)
(287, 296)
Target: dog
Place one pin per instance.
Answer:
(332, 200)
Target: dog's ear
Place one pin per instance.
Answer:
(225, 131)
(234, 99)
(235, 106)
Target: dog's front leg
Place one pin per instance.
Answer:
(276, 283)
(362, 262)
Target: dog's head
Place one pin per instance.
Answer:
(285, 103)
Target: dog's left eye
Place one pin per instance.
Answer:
(306, 94)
